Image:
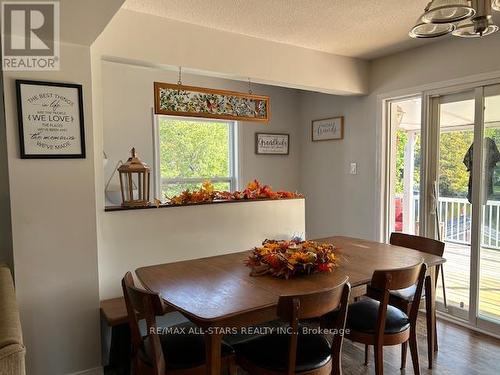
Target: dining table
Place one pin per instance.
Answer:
(218, 292)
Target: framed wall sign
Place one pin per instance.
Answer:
(272, 144)
(190, 101)
(50, 117)
(328, 129)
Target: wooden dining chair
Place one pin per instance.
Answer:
(179, 352)
(297, 351)
(375, 322)
(403, 299)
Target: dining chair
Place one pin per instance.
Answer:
(296, 351)
(403, 299)
(181, 352)
(375, 322)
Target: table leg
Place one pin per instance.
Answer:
(430, 312)
(213, 352)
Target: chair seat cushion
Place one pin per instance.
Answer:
(407, 294)
(181, 349)
(362, 317)
(271, 352)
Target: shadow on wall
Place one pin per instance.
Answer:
(5, 222)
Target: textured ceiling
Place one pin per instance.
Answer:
(357, 28)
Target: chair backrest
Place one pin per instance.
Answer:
(423, 244)
(142, 304)
(315, 305)
(387, 280)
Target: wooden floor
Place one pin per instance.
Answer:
(457, 271)
(461, 352)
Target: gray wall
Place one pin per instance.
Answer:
(336, 201)
(340, 203)
(5, 223)
(127, 112)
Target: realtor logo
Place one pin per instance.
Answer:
(30, 35)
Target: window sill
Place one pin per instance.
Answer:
(152, 206)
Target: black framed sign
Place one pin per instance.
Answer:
(272, 144)
(50, 116)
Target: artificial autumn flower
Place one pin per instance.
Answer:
(207, 194)
(288, 258)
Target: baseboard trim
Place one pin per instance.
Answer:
(465, 324)
(92, 371)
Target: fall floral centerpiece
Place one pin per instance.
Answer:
(288, 258)
(207, 194)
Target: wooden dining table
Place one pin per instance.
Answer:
(218, 292)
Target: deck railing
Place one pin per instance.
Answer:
(455, 221)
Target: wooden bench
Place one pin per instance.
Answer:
(114, 313)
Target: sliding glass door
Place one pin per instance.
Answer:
(466, 201)
(453, 127)
(439, 184)
(489, 244)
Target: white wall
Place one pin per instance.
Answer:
(127, 111)
(137, 238)
(54, 237)
(143, 37)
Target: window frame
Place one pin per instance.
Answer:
(233, 139)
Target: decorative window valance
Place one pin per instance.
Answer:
(180, 100)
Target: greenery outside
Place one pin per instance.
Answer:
(193, 149)
(454, 177)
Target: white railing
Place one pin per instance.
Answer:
(455, 221)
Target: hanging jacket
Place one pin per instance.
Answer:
(492, 157)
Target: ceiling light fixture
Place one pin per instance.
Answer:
(462, 18)
(446, 11)
(430, 30)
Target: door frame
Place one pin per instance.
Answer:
(429, 163)
(387, 195)
(426, 90)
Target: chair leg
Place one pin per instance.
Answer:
(414, 352)
(379, 360)
(336, 364)
(404, 351)
(430, 309)
(233, 369)
(435, 335)
(367, 353)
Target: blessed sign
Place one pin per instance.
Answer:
(50, 120)
(271, 144)
(327, 129)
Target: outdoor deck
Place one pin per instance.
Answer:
(457, 270)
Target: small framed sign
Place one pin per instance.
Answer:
(272, 144)
(328, 129)
(50, 116)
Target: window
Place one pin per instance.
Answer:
(190, 151)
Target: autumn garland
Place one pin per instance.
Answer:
(207, 194)
(285, 259)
